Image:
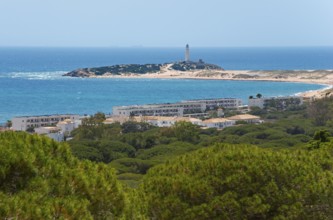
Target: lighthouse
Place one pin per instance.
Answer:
(187, 53)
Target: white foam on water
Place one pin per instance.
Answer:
(35, 75)
(322, 89)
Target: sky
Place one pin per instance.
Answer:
(172, 23)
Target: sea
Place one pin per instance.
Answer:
(31, 81)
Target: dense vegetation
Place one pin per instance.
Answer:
(182, 172)
(117, 70)
(40, 179)
(127, 68)
(186, 66)
(140, 69)
(242, 182)
(133, 148)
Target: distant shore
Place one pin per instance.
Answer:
(304, 76)
(323, 77)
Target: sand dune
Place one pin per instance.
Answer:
(304, 76)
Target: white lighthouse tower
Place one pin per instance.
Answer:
(187, 53)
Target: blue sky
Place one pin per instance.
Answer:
(172, 23)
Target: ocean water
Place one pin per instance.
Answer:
(31, 81)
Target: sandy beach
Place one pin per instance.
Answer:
(324, 77)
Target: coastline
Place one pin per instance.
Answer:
(322, 77)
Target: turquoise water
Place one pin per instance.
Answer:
(31, 81)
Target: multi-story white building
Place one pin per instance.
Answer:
(175, 109)
(25, 122)
(218, 103)
(179, 109)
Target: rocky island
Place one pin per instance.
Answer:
(139, 69)
(188, 69)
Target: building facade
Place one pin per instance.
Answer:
(219, 103)
(169, 121)
(176, 109)
(247, 118)
(25, 122)
(51, 132)
(180, 109)
(218, 123)
(68, 125)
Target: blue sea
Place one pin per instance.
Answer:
(31, 81)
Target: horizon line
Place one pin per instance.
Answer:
(138, 47)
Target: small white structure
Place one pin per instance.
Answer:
(170, 121)
(68, 125)
(51, 132)
(25, 122)
(187, 53)
(220, 112)
(250, 119)
(218, 123)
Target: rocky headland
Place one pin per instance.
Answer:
(140, 69)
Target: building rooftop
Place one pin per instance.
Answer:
(165, 118)
(172, 105)
(66, 121)
(46, 130)
(210, 99)
(35, 116)
(243, 117)
(216, 120)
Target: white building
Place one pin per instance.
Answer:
(175, 109)
(68, 125)
(169, 121)
(51, 132)
(25, 122)
(218, 123)
(159, 121)
(179, 109)
(229, 103)
(250, 119)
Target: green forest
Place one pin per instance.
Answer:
(281, 169)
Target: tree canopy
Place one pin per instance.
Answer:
(242, 182)
(40, 179)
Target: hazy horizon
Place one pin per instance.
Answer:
(149, 23)
(157, 47)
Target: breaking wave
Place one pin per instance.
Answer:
(34, 75)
